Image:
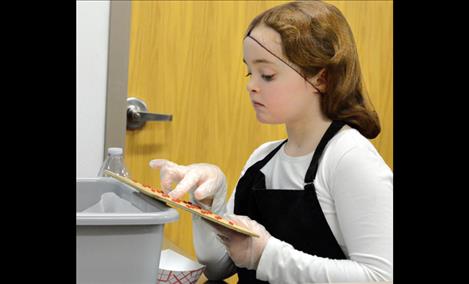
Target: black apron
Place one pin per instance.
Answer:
(293, 216)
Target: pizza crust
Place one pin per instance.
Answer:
(186, 205)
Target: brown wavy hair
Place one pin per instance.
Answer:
(316, 35)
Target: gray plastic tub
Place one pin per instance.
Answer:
(119, 232)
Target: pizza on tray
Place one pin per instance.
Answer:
(186, 205)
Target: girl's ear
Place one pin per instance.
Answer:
(320, 80)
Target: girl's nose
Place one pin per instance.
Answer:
(252, 87)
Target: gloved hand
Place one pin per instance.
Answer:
(245, 251)
(204, 181)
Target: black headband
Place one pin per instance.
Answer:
(304, 77)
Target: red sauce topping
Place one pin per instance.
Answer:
(192, 206)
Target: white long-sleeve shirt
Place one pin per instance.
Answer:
(354, 187)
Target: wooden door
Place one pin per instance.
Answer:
(186, 60)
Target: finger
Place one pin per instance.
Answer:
(205, 190)
(188, 182)
(159, 163)
(166, 185)
(171, 174)
(162, 164)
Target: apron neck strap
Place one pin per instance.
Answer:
(335, 126)
(261, 163)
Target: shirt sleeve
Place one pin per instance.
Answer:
(362, 189)
(209, 251)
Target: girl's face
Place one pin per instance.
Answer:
(278, 93)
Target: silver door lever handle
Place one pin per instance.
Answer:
(137, 114)
(146, 116)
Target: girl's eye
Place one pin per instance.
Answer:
(265, 77)
(268, 77)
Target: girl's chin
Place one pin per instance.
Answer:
(266, 120)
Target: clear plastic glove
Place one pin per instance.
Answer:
(204, 181)
(245, 251)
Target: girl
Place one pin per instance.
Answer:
(321, 201)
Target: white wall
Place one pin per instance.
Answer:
(92, 50)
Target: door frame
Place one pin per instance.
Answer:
(117, 75)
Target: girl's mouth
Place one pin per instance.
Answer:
(257, 104)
